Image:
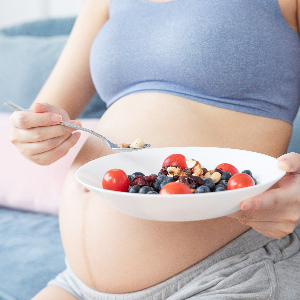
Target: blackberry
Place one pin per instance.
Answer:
(225, 175)
(209, 182)
(134, 189)
(145, 189)
(203, 189)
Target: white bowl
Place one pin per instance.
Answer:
(184, 207)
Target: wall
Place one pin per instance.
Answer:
(17, 11)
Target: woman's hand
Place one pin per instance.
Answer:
(276, 212)
(37, 135)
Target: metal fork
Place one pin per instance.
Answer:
(109, 143)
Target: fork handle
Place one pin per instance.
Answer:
(89, 131)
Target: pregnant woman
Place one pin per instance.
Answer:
(206, 73)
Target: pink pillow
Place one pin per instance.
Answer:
(26, 185)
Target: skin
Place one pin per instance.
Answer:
(115, 253)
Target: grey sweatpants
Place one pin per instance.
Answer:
(250, 267)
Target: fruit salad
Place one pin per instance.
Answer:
(179, 176)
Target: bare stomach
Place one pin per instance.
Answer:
(115, 253)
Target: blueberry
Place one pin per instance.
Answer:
(209, 182)
(169, 179)
(220, 188)
(156, 185)
(152, 192)
(145, 189)
(248, 172)
(138, 173)
(255, 181)
(163, 183)
(134, 189)
(225, 175)
(161, 178)
(224, 182)
(203, 189)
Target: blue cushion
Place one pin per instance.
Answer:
(42, 28)
(31, 253)
(28, 54)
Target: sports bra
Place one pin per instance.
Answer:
(240, 55)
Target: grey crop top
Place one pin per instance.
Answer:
(240, 55)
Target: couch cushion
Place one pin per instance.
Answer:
(42, 28)
(28, 54)
(31, 253)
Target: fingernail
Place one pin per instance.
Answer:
(56, 118)
(76, 122)
(77, 134)
(247, 205)
(285, 165)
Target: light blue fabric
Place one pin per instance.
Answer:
(42, 28)
(28, 54)
(239, 55)
(31, 253)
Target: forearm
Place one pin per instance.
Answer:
(70, 86)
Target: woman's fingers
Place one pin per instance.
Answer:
(275, 230)
(27, 120)
(289, 162)
(57, 148)
(45, 107)
(39, 134)
(276, 212)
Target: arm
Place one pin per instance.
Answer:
(67, 91)
(70, 85)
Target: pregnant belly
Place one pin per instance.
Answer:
(115, 253)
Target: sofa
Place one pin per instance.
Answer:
(31, 251)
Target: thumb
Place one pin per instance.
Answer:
(46, 107)
(289, 162)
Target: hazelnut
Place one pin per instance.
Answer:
(123, 145)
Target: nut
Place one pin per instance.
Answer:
(195, 166)
(216, 176)
(123, 145)
(174, 171)
(138, 143)
(209, 173)
(191, 163)
(197, 169)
